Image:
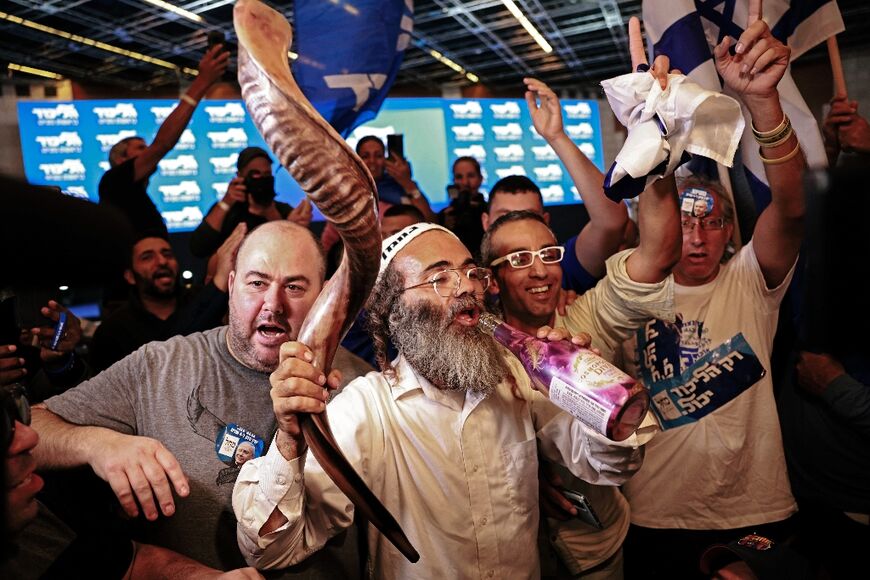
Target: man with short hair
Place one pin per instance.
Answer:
(250, 199)
(168, 419)
(133, 161)
(158, 307)
(600, 238)
(398, 217)
(446, 435)
(525, 259)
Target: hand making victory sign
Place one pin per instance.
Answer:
(759, 59)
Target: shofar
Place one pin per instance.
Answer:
(338, 183)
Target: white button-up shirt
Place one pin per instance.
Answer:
(459, 471)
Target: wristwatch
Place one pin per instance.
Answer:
(224, 205)
(415, 194)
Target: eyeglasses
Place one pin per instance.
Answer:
(688, 223)
(447, 282)
(15, 407)
(525, 258)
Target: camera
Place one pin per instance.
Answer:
(261, 189)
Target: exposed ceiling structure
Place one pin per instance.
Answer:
(138, 45)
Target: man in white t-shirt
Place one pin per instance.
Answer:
(718, 469)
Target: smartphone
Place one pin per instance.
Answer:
(396, 145)
(452, 192)
(585, 512)
(215, 37)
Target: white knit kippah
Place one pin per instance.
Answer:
(394, 244)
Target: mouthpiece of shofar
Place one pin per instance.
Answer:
(338, 183)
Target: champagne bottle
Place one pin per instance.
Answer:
(576, 379)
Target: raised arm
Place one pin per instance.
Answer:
(602, 235)
(753, 73)
(661, 238)
(211, 67)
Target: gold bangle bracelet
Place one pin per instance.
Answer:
(762, 134)
(774, 137)
(771, 144)
(782, 159)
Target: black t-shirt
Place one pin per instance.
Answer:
(205, 240)
(118, 188)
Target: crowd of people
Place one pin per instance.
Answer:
(170, 442)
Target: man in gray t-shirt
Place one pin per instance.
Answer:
(174, 414)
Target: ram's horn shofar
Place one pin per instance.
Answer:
(337, 182)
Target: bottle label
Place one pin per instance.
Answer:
(576, 402)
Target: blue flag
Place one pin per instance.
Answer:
(686, 31)
(349, 55)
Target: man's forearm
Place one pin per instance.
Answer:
(590, 183)
(62, 444)
(660, 234)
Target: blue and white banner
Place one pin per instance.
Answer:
(349, 55)
(686, 31)
(67, 143)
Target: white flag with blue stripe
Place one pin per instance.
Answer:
(687, 31)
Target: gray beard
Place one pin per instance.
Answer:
(451, 358)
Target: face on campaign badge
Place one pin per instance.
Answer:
(696, 202)
(236, 445)
(755, 542)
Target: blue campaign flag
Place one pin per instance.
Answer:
(686, 30)
(349, 55)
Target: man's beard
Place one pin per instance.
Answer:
(451, 358)
(243, 350)
(148, 287)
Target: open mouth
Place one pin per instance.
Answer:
(272, 333)
(468, 316)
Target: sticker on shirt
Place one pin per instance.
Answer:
(696, 202)
(686, 389)
(233, 445)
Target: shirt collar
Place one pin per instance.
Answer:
(410, 380)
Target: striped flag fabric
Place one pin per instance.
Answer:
(686, 31)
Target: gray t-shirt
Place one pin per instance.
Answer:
(190, 394)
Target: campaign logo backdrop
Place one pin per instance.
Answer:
(67, 143)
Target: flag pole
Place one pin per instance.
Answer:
(837, 68)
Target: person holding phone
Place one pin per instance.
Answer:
(133, 160)
(250, 199)
(392, 175)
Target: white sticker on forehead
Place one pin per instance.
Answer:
(697, 202)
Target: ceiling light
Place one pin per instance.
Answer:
(176, 10)
(530, 28)
(34, 71)
(446, 61)
(95, 43)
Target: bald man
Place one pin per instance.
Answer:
(161, 425)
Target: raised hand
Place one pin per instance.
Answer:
(759, 62)
(11, 365)
(547, 117)
(301, 214)
(214, 63)
(236, 192)
(226, 256)
(639, 62)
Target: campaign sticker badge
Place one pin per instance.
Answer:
(696, 202)
(235, 445)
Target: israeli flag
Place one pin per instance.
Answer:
(349, 55)
(686, 31)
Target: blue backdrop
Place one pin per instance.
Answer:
(66, 144)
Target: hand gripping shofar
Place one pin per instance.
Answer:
(338, 183)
